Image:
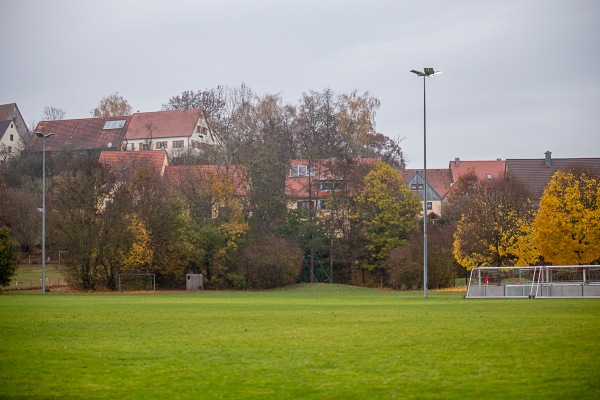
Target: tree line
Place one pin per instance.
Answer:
(369, 234)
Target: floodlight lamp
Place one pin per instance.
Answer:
(428, 72)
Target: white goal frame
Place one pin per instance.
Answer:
(140, 274)
(549, 281)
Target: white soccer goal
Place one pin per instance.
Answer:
(572, 281)
(131, 282)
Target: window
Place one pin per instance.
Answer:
(178, 144)
(9, 148)
(489, 176)
(304, 205)
(12, 137)
(114, 124)
(416, 186)
(328, 186)
(322, 204)
(429, 205)
(145, 146)
(161, 145)
(301, 171)
(201, 130)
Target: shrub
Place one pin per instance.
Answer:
(8, 257)
(269, 262)
(404, 264)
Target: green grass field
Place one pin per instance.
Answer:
(310, 342)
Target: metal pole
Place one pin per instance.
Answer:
(43, 214)
(424, 191)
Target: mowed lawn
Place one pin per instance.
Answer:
(307, 342)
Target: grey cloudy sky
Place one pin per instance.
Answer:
(519, 76)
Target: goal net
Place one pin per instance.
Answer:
(137, 282)
(542, 281)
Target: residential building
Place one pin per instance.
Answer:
(13, 131)
(484, 170)
(173, 131)
(439, 182)
(537, 173)
(124, 163)
(309, 185)
(89, 134)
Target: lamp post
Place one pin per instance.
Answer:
(428, 73)
(43, 136)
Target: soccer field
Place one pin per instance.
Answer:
(307, 342)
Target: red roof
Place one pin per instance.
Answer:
(163, 124)
(7, 111)
(482, 168)
(79, 134)
(123, 163)
(179, 174)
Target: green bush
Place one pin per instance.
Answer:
(8, 257)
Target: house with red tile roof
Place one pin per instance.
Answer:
(170, 131)
(308, 185)
(124, 163)
(439, 182)
(483, 169)
(88, 134)
(173, 131)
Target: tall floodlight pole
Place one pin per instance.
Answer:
(428, 73)
(43, 136)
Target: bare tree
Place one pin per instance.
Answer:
(54, 113)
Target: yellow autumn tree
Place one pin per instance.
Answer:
(567, 227)
(493, 227)
(388, 212)
(140, 252)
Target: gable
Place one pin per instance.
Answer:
(439, 182)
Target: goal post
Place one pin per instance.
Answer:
(565, 281)
(139, 281)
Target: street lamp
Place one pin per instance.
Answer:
(43, 136)
(428, 73)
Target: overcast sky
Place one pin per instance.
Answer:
(519, 77)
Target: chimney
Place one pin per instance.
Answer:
(548, 159)
(457, 161)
